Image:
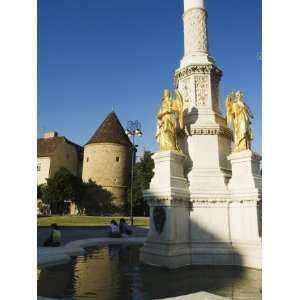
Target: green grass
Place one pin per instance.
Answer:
(86, 221)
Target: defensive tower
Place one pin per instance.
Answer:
(107, 159)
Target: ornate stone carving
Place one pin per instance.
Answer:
(195, 31)
(197, 69)
(168, 201)
(201, 89)
(225, 203)
(184, 87)
(212, 131)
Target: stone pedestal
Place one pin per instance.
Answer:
(209, 171)
(246, 178)
(245, 207)
(167, 243)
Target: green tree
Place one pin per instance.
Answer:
(95, 200)
(63, 186)
(89, 197)
(142, 175)
(40, 190)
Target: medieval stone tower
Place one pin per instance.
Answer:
(107, 159)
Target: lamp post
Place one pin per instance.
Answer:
(133, 129)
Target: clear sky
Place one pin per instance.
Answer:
(95, 55)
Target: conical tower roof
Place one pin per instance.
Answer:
(110, 131)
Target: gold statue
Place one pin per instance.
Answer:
(238, 110)
(166, 122)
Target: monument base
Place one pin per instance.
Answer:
(228, 231)
(171, 255)
(226, 254)
(167, 243)
(246, 179)
(245, 207)
(187, 230)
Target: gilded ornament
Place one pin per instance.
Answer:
(166, 121)
(241, 115)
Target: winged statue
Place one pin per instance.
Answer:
(166, 121)
(238, 112)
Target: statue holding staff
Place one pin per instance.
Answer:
(166, 121)
(238, 111)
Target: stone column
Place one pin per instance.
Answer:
(208, 140)
(195, 33)
(206, 144)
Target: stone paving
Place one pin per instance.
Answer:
(197, 296)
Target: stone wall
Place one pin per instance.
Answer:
(65, 156)
(109, 166)
(43, 165)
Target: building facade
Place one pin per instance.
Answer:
(55, 152)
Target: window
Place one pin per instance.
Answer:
(87, 159)
(117, 159)
(38, 167)
(68, 155)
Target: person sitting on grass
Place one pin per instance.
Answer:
(114, 230)
(54, 240)
(124, 228)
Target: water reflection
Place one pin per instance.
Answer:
(114, 272)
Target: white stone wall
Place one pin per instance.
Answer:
(209, 222)
(188, 4)
(43, 172)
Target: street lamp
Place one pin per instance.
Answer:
(133, 129)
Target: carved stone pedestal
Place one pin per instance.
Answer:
(167, 244)
(245, 207)
(246, 177)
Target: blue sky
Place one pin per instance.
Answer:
(95, 55)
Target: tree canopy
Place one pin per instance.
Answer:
(142, 175)
(65, 187)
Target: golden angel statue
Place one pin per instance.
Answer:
(166, 121)
(238, 111)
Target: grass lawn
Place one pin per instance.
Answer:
(73, 221)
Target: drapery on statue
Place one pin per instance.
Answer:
(241, 114)
(166, 122)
